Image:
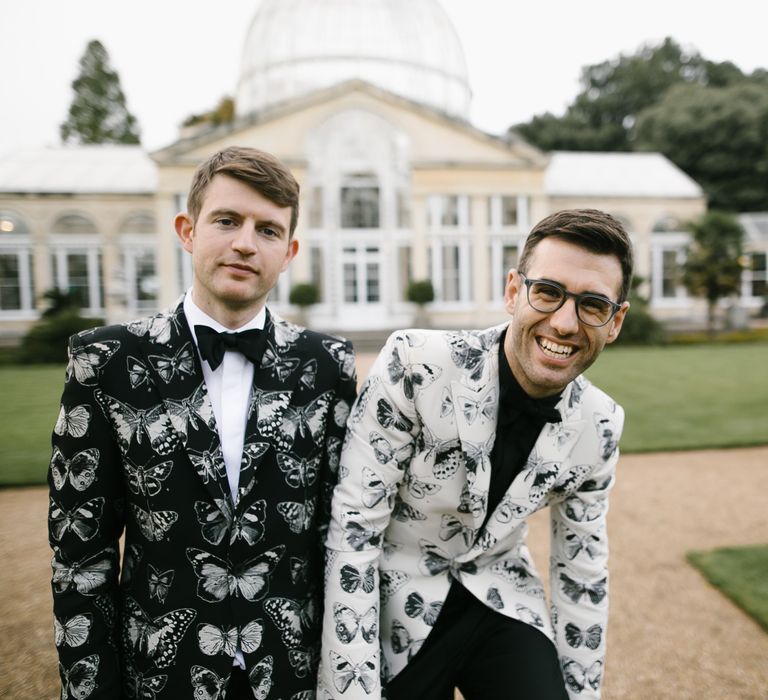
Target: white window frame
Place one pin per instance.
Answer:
(90, 246)
(23, 252)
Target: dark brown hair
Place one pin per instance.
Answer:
(257, 169)
(590, 229)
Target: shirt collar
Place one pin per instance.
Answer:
(510, 391)
(196, 316)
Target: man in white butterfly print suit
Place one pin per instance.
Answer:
(217, 471)
(455, 439)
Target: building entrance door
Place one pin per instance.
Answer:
(361, 293)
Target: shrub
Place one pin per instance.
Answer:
(640, 327)
(46, 341)
(304, 294)
(420, 292)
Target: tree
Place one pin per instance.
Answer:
(223, 113)
(712, 269)
(719, 136)
(614, 92)
(98, 113)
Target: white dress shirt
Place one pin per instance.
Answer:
(229, 387)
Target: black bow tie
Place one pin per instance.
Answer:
(535, 408)
(213, 344)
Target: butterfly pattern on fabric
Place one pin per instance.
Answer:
(156, 639)
(87, 361)
(79, 471)
(86, 576)
(291, 617)
(217, 521)
(470, 351)
(138, 374)
(414, 377)
(154, 524)
(213, 640)
(578, 677)
(183, 362)
(143, 686)
(194, 411)
(159, 582)
(79, 680)
(591, 637)
(136, 450)
(417, 456)
(416, 607)
(83, 520)
(349, 623)
(73, 421)
(74, 631)
(345, 673)
(152, 424)
(249, 580)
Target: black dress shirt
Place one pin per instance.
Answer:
(521, 419)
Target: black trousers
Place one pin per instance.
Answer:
(484, 654)
(239, 687)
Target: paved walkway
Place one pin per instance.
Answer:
(671, 635)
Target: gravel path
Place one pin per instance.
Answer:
(671, 635)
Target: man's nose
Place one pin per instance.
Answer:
(565, 320)
(245, 240)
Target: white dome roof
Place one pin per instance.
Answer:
(408, 47)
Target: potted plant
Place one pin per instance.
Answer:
(421, 293)
(303, 295)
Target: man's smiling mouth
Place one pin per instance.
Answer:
(555, 351)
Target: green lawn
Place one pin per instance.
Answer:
(29, 405)
(688, 397)
(741, 573)
(678, 397)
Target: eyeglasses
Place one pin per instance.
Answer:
(591, 309)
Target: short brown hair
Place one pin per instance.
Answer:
(591, 229)
(257, 169)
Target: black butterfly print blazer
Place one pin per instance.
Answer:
(409, 514)
(136, 454)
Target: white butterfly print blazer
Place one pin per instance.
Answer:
(409, 508)
(136, 453)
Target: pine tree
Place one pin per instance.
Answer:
(98, 113)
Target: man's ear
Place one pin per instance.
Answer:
(184, 230)
(617, 322)
(512, 290)
(290, 254)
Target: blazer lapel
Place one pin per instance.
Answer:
(548, 459)
(173, 363)
(476, 410)
(272, 420)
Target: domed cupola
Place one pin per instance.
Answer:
(408, 47)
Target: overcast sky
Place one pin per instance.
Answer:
(177, 57)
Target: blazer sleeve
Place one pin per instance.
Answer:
(371, 468)
(579, 569)
(345, 393)
(85, 521)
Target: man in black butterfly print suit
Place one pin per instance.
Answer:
(217, 471)
(455, 439)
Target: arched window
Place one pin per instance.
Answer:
(74, 223)
(11, 223)
(139, 223)
(667, 224)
